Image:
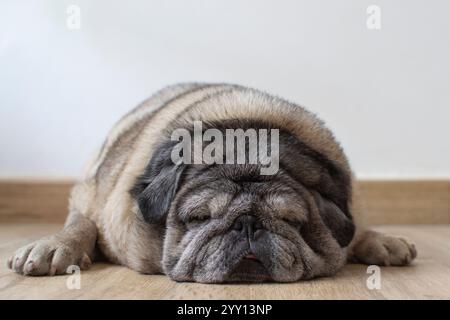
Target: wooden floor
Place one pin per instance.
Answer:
(427, 278)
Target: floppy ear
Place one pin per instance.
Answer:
(341, 226)
(157, 187)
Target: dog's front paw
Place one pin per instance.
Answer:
(377, 248)
(49, 256)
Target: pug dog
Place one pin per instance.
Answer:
(216, 221)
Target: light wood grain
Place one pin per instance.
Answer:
(34, 201)
(406, 202)
(427, 278)
(387, 202)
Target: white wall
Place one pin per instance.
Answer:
(385, 93)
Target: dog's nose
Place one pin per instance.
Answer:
(248, 224)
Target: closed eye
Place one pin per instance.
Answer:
(197, 219)
(293, 223)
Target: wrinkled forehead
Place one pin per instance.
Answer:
(217, 196)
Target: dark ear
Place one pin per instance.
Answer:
(341, 226)
(157, 187)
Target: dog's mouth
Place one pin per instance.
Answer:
(252, 257)
(249, 269)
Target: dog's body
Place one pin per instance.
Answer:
(131, 201)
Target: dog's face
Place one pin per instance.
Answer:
(228, 223)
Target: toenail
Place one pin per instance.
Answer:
(52, 271)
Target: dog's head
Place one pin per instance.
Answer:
(229, 223)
